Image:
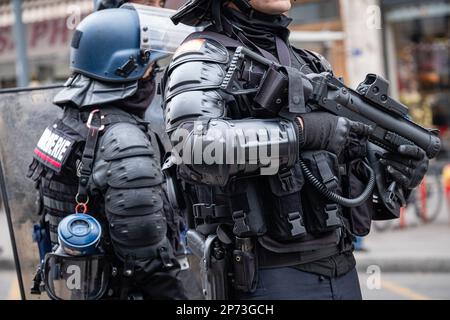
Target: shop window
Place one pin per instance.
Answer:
(423, 70)
(313, 12)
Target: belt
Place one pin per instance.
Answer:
(268, 259)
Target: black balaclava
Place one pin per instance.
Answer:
(257, 27)
(138, 103)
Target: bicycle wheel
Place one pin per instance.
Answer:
(429, 198)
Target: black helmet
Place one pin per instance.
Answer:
(201, 12)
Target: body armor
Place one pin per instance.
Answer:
(236, 196)
(125, 189)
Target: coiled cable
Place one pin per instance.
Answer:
(332, 196)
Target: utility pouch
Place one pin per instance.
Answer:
(321, 215)
(359, 218)
(245, 266)
(286, 220)
(247, 210)
(271, 95)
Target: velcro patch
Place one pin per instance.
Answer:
(53, 148)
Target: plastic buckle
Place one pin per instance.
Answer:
(203, 210)
(296, 221)
(287, 179)
(240, 222)
(91, 118)
(332, 212)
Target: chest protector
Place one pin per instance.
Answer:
(284, 211)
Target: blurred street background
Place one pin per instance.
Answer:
(406, 41)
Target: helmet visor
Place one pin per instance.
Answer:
(76, 278)
(159, 36)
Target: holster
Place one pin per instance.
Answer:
(213, 264)
(245, 266)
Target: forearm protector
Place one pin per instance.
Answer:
(215, 150)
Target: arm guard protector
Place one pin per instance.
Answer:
(210, 148)
(128, 174)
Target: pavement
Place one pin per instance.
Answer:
(6, 255)
(406, 286)
(9, 288)
(417, 248)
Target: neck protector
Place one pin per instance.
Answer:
(257, 27)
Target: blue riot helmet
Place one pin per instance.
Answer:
(77, 269)
(106, 46)
(119, 45)
(112, 49)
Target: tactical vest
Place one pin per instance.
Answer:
(285, 213)
(56, 167)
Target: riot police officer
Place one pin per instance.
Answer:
(266, 235)
(103, 158)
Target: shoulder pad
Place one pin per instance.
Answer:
(192, 105)
(194, 75)
(198, 64)
(124, 140)
(325, 64)
(200, 50)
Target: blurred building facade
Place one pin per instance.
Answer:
(49, 26)
(417, 50)
(405, 40)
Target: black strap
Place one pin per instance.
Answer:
(76, 120)
(230, 42)
(283, 51)
(268, 259)
(297, 104)
(127, 276)
(88, 160)
(204, 211)
(328, 177)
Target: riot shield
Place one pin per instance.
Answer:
(24, 115)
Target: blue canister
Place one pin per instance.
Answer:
(79, 234)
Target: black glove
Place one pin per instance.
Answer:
(325, 131)
(407, 167)
(356, 148)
